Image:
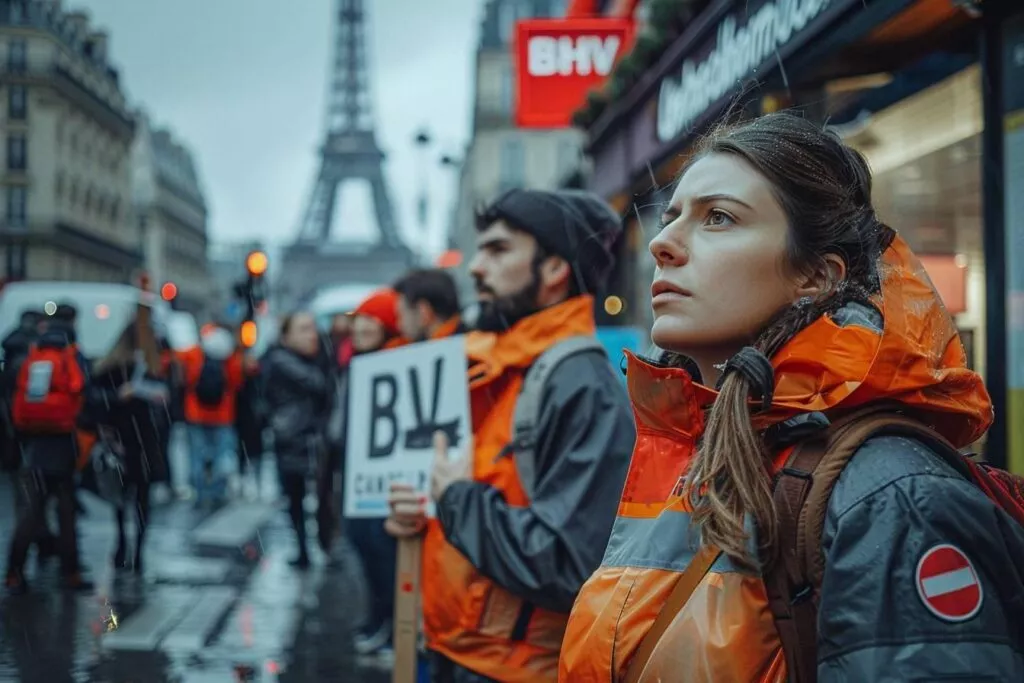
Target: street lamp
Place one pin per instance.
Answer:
(423, 141)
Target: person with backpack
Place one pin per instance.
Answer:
(47, 398)
(214, 372)
(797, 509)
(15, 347)
(522, 520)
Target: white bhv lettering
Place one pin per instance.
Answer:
(548, 56)
(737, 53)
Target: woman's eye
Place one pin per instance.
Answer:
(717, 217)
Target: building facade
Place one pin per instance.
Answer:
(170, 207)
(499, 155)
(930, 91)
(65, 193)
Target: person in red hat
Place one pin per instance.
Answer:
(375, 325)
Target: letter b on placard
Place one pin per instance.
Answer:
(383, 421)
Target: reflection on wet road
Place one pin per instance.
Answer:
(219, 602)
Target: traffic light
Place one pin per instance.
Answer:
(248, 334)
(168, 291)
(256, 263)
(254, 292)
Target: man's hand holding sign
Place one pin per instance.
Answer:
(408, 507)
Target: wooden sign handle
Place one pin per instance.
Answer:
(407, 610)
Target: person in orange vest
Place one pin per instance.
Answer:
(523, 519)
(786, 307)
(428, 305)
(214, 373)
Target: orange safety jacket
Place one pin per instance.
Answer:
(725, 631)
(467, 617)
(223, 414)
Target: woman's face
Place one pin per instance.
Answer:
(367, 334)
(721, 261)
(302, 335)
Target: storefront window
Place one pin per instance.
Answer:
(925, 153)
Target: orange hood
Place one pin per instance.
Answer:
(916, 361)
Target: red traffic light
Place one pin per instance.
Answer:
(169, 291)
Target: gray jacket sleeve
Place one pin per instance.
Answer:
(894, 502)
(543, 553)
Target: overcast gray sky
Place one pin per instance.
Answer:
(243, 83)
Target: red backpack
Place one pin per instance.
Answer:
(48, 394)
(802, 493)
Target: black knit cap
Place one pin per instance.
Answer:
(576, 225)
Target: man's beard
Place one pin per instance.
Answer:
(501, 313)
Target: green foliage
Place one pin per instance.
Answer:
(666, 21)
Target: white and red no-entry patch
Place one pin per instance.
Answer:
(948, 585)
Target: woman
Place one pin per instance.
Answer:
(297, 401)
(122, 401)
(770, 241)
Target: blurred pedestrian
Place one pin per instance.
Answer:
(298, 404)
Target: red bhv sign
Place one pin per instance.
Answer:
(558, 61)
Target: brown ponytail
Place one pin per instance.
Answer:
(730, 477)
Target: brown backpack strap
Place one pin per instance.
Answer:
(694, 573)
(802, 492)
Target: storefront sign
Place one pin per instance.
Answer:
(736, 55)
(558, 61)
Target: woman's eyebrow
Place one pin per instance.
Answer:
(704, 200)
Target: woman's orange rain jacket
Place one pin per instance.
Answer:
(725, 632)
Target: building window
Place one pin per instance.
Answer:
(509, 12)
(512, 169)
(568, 156)
(17, 55)
(17, 103)
(17, 153)
(59, 186)
(507, 89)
(17, 200)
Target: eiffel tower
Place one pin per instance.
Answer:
(350, 152)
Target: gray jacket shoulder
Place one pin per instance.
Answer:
(893, 461)
(585, 371)
(884, 616)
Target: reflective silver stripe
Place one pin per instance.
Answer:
(660, 543)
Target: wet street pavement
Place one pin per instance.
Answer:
(218, 602)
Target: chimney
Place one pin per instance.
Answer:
(79, 23)
(98, 41)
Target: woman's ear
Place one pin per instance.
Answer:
(824, 279)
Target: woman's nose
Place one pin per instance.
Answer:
(669, 248)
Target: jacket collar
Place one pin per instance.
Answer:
(448, 328)
(491, 354)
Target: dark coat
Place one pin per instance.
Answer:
(298, 404)
(137, 423)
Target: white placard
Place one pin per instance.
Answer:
(397, 400)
